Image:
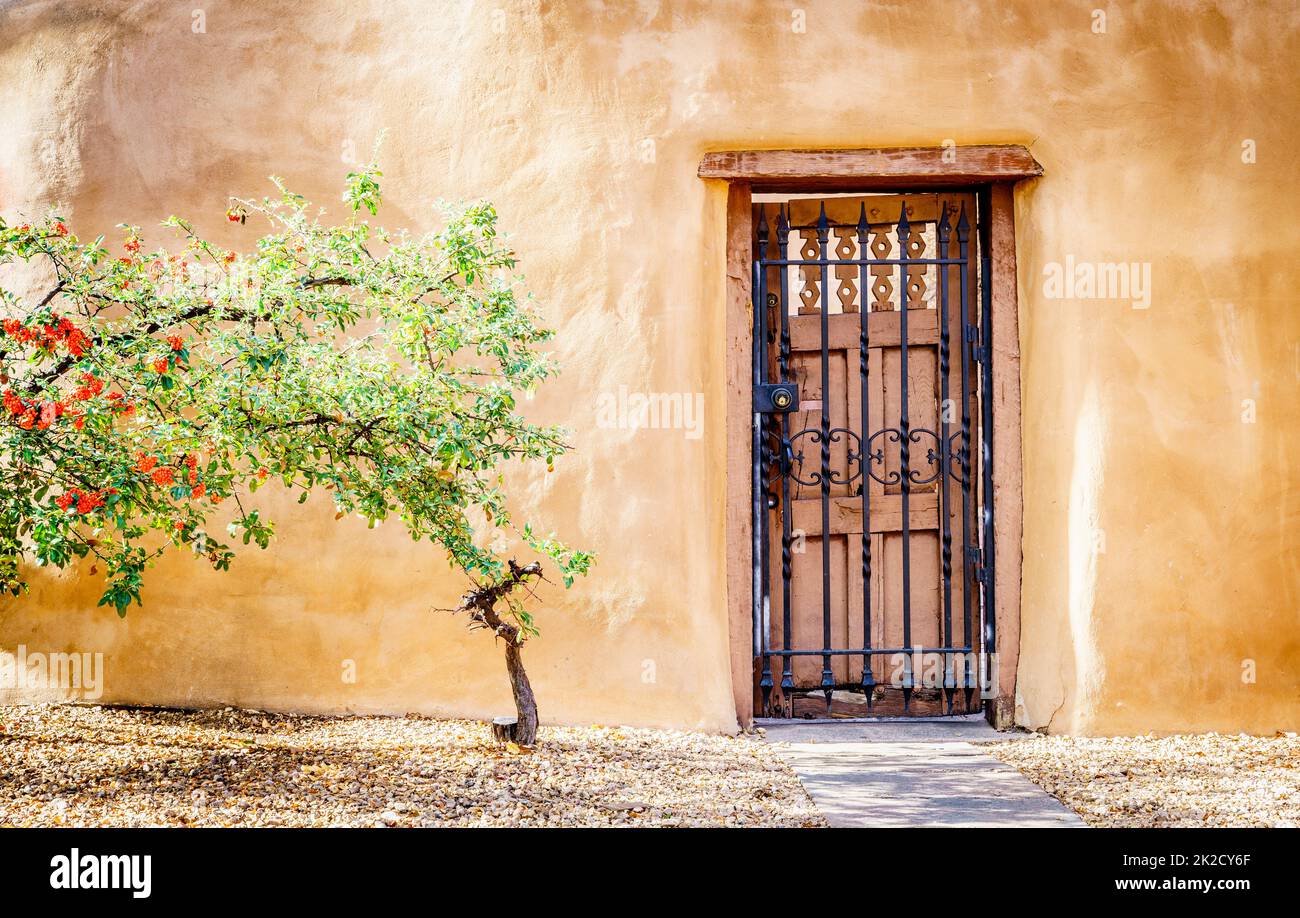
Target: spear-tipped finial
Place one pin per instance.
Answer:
(904, 228)
(868, 680)
(963, 226)
(823, 225)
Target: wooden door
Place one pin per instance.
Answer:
(871, 513)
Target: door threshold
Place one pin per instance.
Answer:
(896, 719)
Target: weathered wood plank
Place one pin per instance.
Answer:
(881, 209)
(1007, 460)
(846, 514)
(738, 331)
(844, 331)
(865, 169)
(887, 702)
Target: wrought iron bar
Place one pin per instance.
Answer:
(941, 233)
(828, 679)
(864, 458)
(783, 359)
(905, 450)
(858, 651)
(847, 262)
(986, 404)
(969, 551)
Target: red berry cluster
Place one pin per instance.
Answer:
(119, 405)
(33, 413)
(162, 365)
(165, 474)
(49, 337)
(83, 501)
(148, 465)
(41, 415)
(91, 385)
(58, 228)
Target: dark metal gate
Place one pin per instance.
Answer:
(873, 505)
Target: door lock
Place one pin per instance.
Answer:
(776, 398)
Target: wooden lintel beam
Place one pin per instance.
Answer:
(911, 167)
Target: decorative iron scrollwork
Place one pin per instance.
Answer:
(794, 459)
(914, 476)
(791, 458)
(960, 468)
(891, 435)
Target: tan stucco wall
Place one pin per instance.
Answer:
(1132, 418)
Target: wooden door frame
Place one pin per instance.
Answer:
(748, 172)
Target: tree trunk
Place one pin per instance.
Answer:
(481, 606)
(525, 703)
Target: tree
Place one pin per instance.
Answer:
(143, 390)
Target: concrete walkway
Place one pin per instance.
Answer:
(912, 773)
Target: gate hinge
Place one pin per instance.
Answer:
(978, 353)
(975, 558)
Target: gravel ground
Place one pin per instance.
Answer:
(81, 765)
(1187, 780)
